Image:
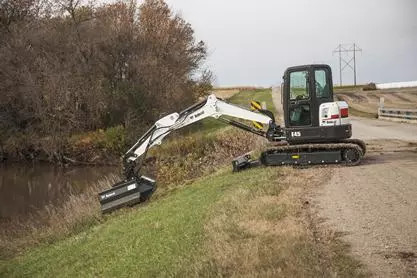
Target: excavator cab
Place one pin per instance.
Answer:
(305, 89)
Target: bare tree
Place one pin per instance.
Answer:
(71, 66)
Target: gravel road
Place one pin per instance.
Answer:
(372, 129)
(374, 204)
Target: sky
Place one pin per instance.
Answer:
(253, 42)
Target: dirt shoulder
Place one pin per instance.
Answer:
(374, 206)
(372, 129)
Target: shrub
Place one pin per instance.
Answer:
(369, 87)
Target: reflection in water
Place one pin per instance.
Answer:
(26, 188)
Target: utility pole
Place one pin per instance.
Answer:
(354, 64)
(340, 65)
(348, 49)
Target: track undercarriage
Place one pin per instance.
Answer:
(348, 152)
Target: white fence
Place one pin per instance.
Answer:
(395, 85)
(397, 113)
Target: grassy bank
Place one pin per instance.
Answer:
(181, 159)
(224, 224)
(154, 240)
(215, 224)
(261, 95)
(174, 165)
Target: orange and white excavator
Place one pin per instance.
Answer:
(316, 131)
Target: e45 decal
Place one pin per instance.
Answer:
(295, 133)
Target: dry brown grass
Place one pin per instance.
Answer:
(182, 160)
(260, 231)
(366, 103)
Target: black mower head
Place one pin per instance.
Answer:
(127, 193)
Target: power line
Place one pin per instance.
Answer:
(350, 50)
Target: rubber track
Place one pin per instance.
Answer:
(321, 147)
(358, 142)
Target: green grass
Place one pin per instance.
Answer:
(262, 95)
(158, 239)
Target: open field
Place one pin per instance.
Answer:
(225, 93)
(365, 103)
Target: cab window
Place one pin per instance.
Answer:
(299, 85)
(322, 87)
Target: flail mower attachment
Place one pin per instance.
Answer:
(127, 193)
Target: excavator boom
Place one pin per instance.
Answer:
(210, 107)
(136, 188)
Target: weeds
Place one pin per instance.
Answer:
(257, 230)
(189, 157)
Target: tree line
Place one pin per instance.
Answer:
(68, 66)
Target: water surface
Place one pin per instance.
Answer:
(26, 188)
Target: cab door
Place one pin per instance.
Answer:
(323, 89)
(298, 99)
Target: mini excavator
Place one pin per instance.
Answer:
(317, 131)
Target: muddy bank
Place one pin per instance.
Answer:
(65, 158)
(100, 147)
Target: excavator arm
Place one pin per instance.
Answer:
(210, 107)
(136, 188)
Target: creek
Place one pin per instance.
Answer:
(27, 188)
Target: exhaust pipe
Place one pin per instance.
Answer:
(127, 193)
